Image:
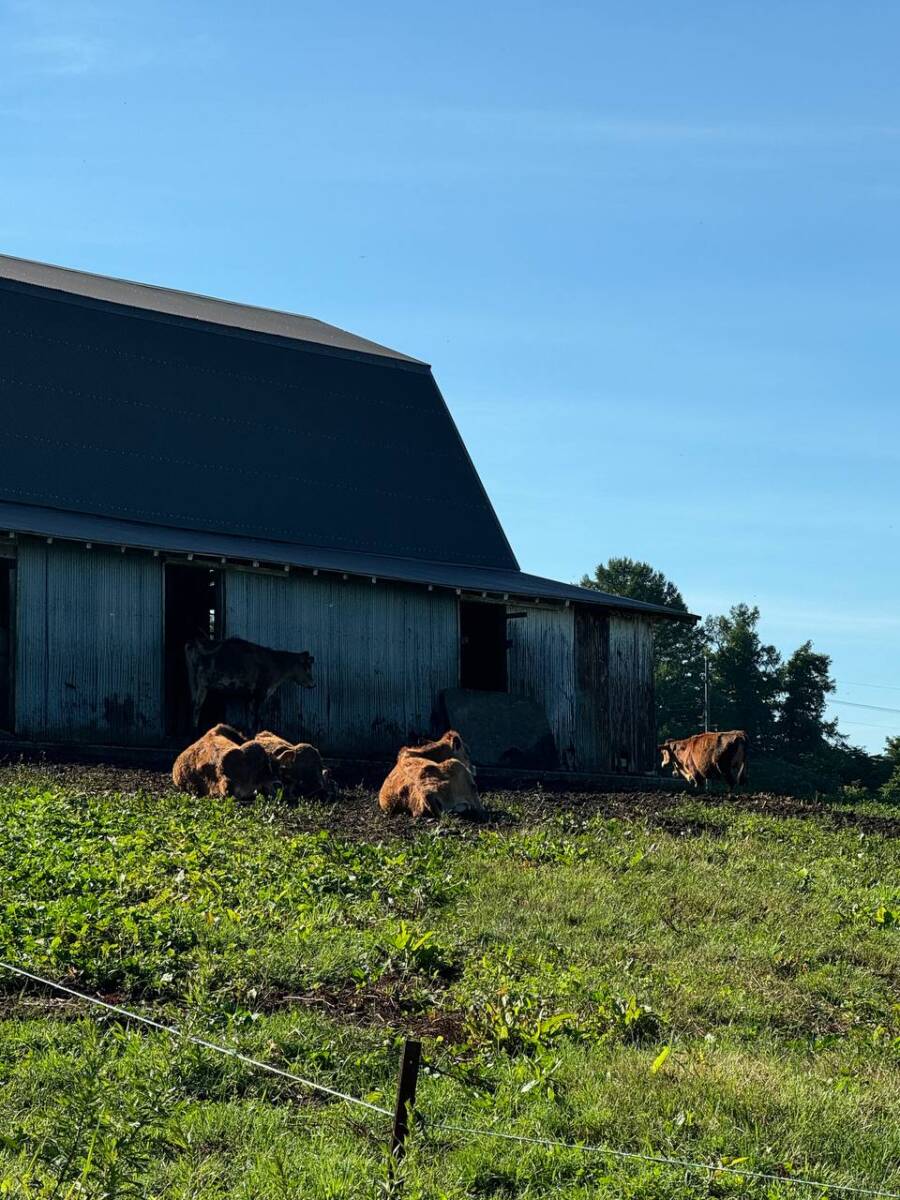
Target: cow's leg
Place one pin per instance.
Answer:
(258, 698)
(741, 774)
(200, 692)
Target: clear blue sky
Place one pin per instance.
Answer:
(651, 250)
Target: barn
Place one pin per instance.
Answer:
(172, 464)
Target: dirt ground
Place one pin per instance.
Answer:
(355, 813)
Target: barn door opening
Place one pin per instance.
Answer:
(483, 646)
(193, 608)
(7, 579)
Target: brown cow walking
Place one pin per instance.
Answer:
(708, 756)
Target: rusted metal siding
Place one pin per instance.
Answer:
(631, 702)
(88, 645)
(542, 667)
(383, 654)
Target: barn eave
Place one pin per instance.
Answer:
(491, 583)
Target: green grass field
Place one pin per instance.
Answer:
(698, 978)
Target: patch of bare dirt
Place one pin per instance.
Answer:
(384, 1002)
(354, 812)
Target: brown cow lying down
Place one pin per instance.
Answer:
(219, 764)
(708, 756)
(299, 767)
(450, 745)
(432, 779)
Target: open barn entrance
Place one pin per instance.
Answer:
(483, 646)
(7, 580)
(193, 608)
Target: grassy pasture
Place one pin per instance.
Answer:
(697, 978)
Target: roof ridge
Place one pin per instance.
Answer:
(55, 277)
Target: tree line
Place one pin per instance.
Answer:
(780, 702)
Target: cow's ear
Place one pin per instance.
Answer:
(455, 741)
(233, 761)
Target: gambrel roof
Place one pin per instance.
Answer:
(173, 420)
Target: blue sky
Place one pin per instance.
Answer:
(651, 250)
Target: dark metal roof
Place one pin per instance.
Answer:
(140, 404)
(46, 522)
(173, 303)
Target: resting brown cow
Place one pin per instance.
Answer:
(218, 764)
(236, 667)
(708, 756)
(432, 779)
(299, 766)
(450, 745)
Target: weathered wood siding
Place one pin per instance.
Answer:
(89, 658)
(383, 654)
(632, 721)
(592, 689)
(541, 666)
(615, 723)
(89, 654)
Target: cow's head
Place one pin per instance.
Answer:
(300, 768)
(246, 770)
(461, 796)
(669, 752)
(302, 672)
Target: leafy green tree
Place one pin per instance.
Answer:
(805, 686)
(678, 647)
(892, 749)
(745, 675)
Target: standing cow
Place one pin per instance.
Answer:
(238, 668)
(708, 756)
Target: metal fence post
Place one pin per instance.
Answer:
(406, 1098)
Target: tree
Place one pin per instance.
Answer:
(805, 685)
(892, 750)
(745, 675)
(678, 646)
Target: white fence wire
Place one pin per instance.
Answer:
(467, 1131)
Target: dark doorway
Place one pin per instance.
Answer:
(7, 580)
(193, 609)
(483, 646)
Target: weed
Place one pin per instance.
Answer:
(727, 996)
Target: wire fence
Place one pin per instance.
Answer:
(174, 1031)
(446, 1127)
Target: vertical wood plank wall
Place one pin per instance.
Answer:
(89, 658)
(616, 720)
(592, 689)
(89, 631)
(541, 666)
(383, 654)
(632, 719)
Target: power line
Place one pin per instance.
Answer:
(857, 704)
(869, 725)
(888, 687)
(179, 1033)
